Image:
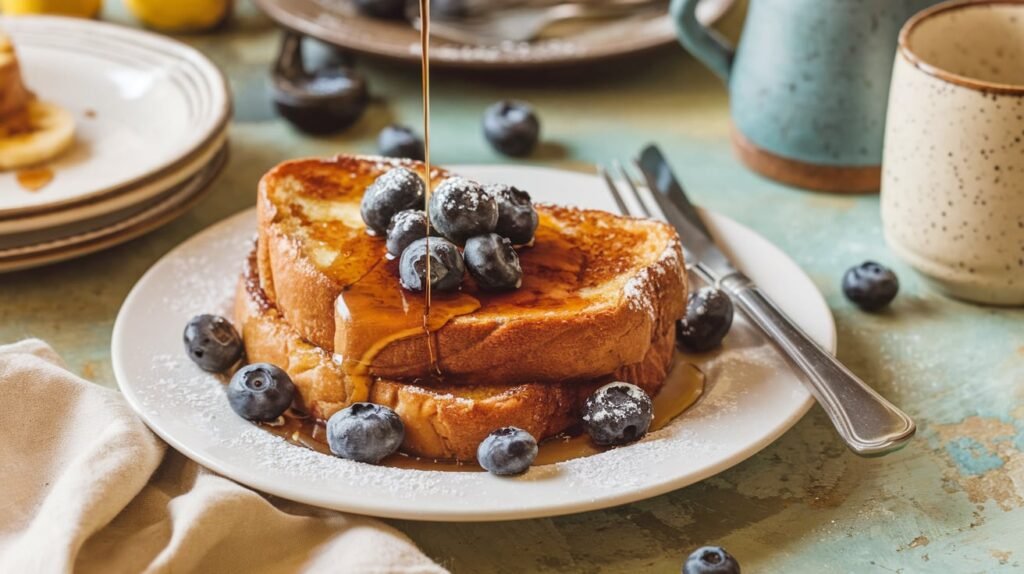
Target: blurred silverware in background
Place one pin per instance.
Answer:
(527, 20)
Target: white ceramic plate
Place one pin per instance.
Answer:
(141, 101)
(101, 211)
(168, 208)
(752, 395)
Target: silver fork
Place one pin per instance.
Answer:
(868, 423)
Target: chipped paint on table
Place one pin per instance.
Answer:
(952, 501)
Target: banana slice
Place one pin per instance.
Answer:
(53, 131)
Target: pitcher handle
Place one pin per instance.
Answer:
(704, 43)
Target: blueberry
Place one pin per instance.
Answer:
(405, 227)
(212, 343)
(711, 560)
(708, 319)
(446, 265)
(387, 9)
(870, 285)
(617, 413)
(507, 451)
(492, 261)
(396, 190)
(512, 127)
(365, 432)
(460, 209)
(325, 102)
(517, 219)
(400, 141)
(260, 392)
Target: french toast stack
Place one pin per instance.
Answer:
(319, 298)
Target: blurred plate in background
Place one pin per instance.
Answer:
(142, 102)
(339, 22)
(170, 206)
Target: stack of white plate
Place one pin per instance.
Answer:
(151, 135)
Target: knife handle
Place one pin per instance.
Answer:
(869, 424)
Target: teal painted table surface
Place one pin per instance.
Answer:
(952, 501)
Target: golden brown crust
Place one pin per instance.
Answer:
(305, 292)
(598, 288)
(451, 421)
(441, 421)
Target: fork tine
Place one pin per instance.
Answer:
(632, 188)
(614, 189)
(631, 180)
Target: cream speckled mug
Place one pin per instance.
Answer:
(953, 167)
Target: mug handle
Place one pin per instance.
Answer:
(704, 43)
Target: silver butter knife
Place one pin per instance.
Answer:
(868, 423)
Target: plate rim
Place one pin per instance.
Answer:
(252, 478)
(119, 199)
(175, 48)
(160, 218)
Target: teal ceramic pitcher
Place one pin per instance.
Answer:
(808, 85)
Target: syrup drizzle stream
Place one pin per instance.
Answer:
(425, 71)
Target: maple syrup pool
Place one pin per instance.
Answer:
(683, 387)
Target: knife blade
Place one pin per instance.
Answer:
(681, 214)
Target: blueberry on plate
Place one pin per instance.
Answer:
(386, 9)
(711, 560)
(396, 190)
(405, 227)
(492, 261)
(507, 451)
(517, 219)
(870, 285)
(400, 141)
(212, 343)
(709, 313)
(260, 392)
(446, 265)
(460, 209)
(512, 127)
(365, 432)
(617, 413)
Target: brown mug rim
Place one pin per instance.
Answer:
(945, 75)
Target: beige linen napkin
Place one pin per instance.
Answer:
(86, 487)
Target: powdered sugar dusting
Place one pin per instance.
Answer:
(398, 178)
(461, 194)
(201, 281)
(638, 289)
(618, 410)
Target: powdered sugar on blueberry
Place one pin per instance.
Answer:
(461, 208)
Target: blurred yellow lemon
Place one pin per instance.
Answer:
(180, 15)
(82, 8)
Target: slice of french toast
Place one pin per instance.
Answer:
(598, 291)
(441, 421)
